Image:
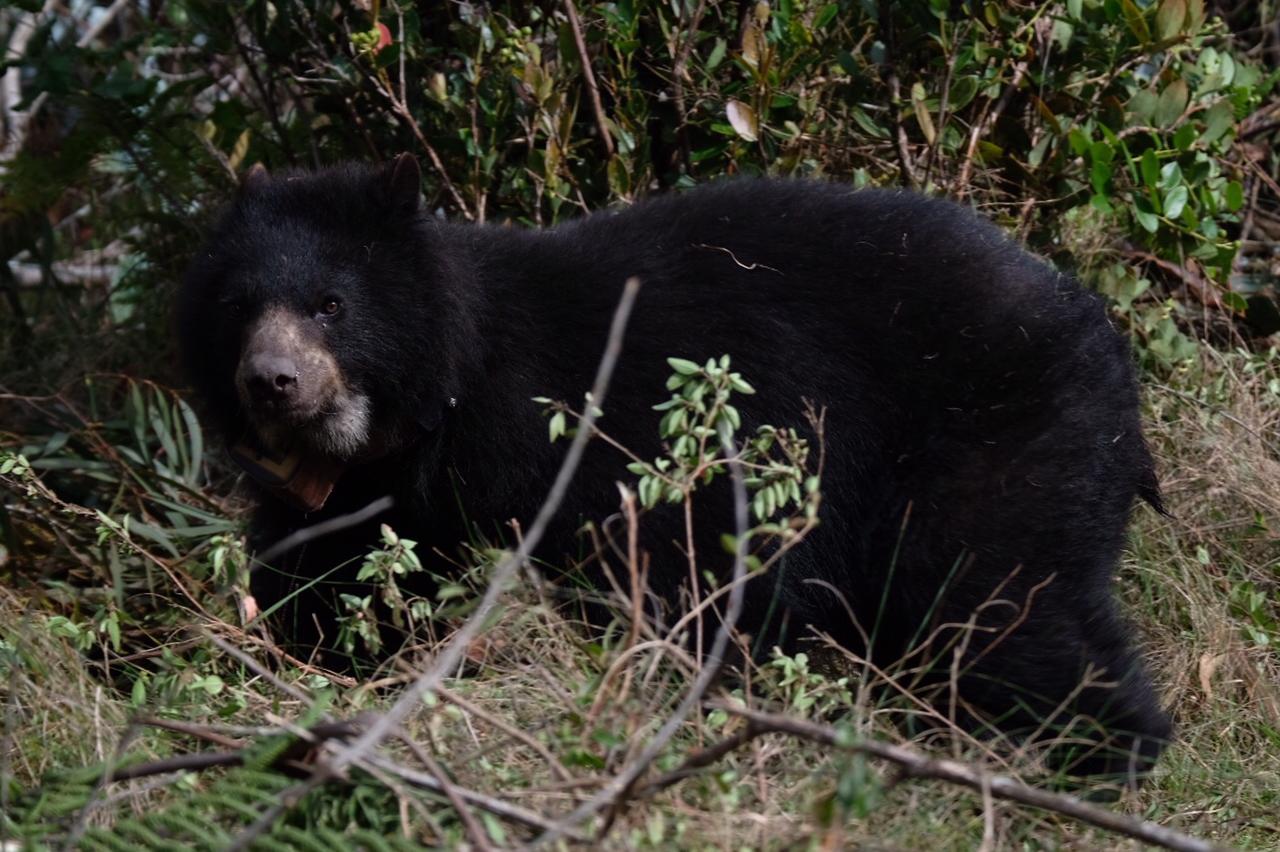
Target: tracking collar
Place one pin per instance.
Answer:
(305, 480)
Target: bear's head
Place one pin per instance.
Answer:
(323, 317)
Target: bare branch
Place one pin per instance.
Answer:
(15, 123)
(916, 765)
(16, 131)
(341, 522)
(507, 728)
(984, 124)
(589, 76)
(473, 829)
(497, 807)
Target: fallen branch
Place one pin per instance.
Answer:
(475, 833)
(507, 728)
(913, 764)
(312, 738)
(497, 807)
(701, 759)
(1199, 286)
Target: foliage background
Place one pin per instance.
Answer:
(1131, 142)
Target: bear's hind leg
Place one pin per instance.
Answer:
(1075, 687)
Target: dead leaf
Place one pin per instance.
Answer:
(753, 45)
(1208, 665)
(744, 121)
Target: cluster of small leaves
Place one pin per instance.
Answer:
(14, 464)
(382, 568)
(694, 424)
(1256, 609)
(228, 560)
(793, 680)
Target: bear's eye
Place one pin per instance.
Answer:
(330, 306)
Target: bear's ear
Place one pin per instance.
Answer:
(404, 184)
(254, 179)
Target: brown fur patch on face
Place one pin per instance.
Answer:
(322, 411)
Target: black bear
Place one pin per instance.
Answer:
(983, 444)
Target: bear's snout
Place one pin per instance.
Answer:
(272, 378)
(286, 373)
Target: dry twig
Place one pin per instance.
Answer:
(589, 76)
(913, 764)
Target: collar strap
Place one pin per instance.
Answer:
(303, 481)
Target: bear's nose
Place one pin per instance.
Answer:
(272, 378)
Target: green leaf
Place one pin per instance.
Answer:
(1195, 16)
(195, 442)
(1099, 175)
(1235, 301)
(1233, 194)
(155, 534)
(1145, 216)
(1142, 106)
(1185, 137)
(1062, 32)
(1174, 200)
(921, 110)
(683, 366)
(1101, 152)
(1079, 141)
(868, 126)
(556, 426)
(1036, 156)
(1170, 19)
(717, 54)
(1173, 100)
(1218, 120)
(962, 92)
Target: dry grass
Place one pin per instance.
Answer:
(1216, 434)
(542, 715)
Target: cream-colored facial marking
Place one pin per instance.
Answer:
(322, 412)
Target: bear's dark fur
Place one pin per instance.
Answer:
(983, 445)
